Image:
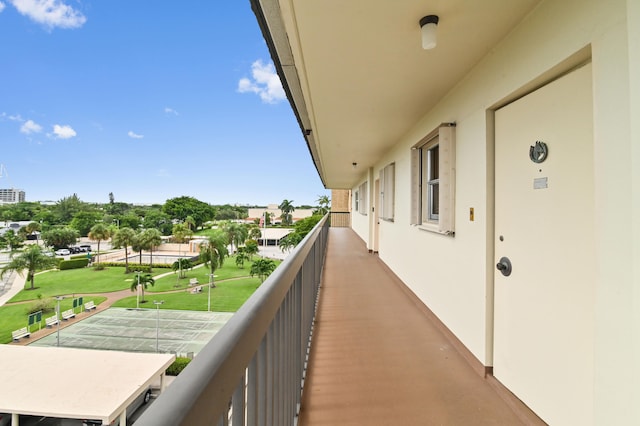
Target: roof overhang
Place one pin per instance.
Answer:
(75, 383)
(357, 77)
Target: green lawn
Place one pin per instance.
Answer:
(73, 281)
(228, 270)
(13, 317)
(227, 296)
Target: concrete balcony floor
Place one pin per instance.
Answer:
(379, 357)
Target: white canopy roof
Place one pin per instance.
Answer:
(74, 383)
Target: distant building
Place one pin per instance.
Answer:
(11, 196)
(276, 214)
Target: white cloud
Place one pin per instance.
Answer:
(30, 126)
(50, 13)
(2, 6)
(15, 117)
(163, 173)
(63, 132)
(134, 135)
(265, 83)
(168, 110)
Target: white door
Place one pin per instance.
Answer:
(544, 223)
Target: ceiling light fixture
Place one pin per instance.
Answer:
(428, 27)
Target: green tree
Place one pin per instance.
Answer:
(300, 230)
(182, 265)
(99, 232)
(190, 223)
(214, 250)
(32, 259)
(262, 268)
(123, 238)
(158, 220)
(12, 240)
(286, 206)
(151, 239)
(289, 241)
(324, 204)
(182, 207)
(66, 208)
(83, 221)
(60, 237)
(32, 227)
(241, 257)
(145, 281)
(236, 233)
(251, 248)
(254, 232)
(137, 245)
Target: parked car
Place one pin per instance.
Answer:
(63, 252)
(131, 409)
(85, 247)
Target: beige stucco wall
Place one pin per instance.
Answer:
(430, 263)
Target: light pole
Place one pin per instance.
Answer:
(211, 277)
(58, 298)
(138, 291)
(158, 303)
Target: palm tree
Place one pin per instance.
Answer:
(190, 223)
(31, 259)
(144, 281)
(323, 205)
(123, 238)
(236, 232)
(181, 233)
(214, 251)
(262, 268)
(32, 228)
(254, 232)
(182, 265)
(151, 238)
(241, 257)
(98, 233)
(138, 245)
(286, 206)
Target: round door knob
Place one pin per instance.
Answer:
(504, 266)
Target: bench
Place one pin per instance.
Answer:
(196, 290)
(193, 281)
(51, 321)
(68, 314)
(89, 306)
(17, 334)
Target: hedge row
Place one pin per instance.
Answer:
(134, 266)
(73, 264)
(178, 365)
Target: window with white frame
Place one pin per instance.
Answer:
(356, 201)
(387, 192)
(433, 180)
(362, 204)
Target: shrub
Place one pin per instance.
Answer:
(73, 264)
(178, 365)
(44, 305)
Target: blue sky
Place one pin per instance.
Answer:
(148, 100)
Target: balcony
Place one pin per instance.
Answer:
(377, 355)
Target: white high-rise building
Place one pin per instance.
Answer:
(11, 195)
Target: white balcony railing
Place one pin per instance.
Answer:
(252, 371)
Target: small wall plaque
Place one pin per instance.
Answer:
(540, 183)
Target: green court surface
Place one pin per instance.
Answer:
(140, 330)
